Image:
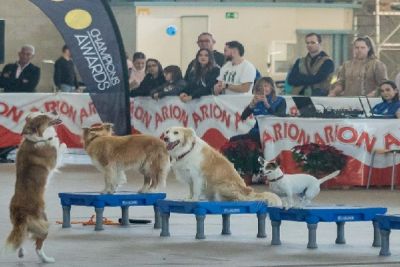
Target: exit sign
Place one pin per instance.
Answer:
(231, 15)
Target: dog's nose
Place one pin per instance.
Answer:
(166, 139)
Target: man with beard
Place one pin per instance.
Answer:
(237, 75)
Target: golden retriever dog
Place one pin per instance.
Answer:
(38, 156)
(112, 155)
(209, 174)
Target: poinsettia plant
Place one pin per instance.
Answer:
(244, 155)
(317, 158)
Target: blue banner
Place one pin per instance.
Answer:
(91, 32)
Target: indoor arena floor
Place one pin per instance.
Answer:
(141, 245)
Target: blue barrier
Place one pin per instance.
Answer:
(121, 199)
(313, 215)
(386, 224)
(202, 208)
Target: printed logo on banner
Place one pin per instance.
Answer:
(98, 60)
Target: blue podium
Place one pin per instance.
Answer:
(312, 215)
(123, 199)
(386, 224)
(203, 208)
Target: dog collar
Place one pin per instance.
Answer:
(187, 152)
(40, 141)
(276, 179)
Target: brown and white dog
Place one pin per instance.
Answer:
(209, 174)
(37, 157)
(112, 155)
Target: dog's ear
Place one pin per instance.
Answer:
(27, 130)
(108, 127)
(85, 131)
(188, 135)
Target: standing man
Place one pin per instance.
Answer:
(22, 76)
(64, 72)
(237, 75)
(206, 41)
(311, 75)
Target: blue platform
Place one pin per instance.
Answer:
(202, 208)
(123, 199)
(386, 224)
(314, 214)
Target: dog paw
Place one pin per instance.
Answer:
(44, 258)
(143, 190)
(63, 147)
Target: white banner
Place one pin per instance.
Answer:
(216, 119)
(357, 138)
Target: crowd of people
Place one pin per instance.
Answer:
(214, 73)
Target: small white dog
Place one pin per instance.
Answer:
(306, 186)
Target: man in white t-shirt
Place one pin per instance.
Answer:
(237, 75)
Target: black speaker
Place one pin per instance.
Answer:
(2, 29)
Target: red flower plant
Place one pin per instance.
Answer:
(243, 154)
(315, 158)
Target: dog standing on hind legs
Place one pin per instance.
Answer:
(38, 156)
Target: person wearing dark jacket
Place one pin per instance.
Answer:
(202, 78)
(207, 41)
(174, 83)
(390, 105)
(64, 72)
(152, 80)
(264, 102)
(22, 76)
(311, 75)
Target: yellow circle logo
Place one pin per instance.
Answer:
(78, 19)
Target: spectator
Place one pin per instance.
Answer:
(21, 76)
(202, 78)
(153, 79)
(64, 72)
(237, 75)
(311, 75)
(390, 105)
(174, 83)
(138, 70)
(228, 57)
(264, 102)
(362, 74)
(206, 41)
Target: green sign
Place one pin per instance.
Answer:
(231, 15)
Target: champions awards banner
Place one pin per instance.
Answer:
(91, 32)
(356, 139)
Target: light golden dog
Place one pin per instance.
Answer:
(112, 155)
(37, 157)
(209, 174)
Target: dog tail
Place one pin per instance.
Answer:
(270, 198)
(328, 177)
(17, 236)
(245, 193)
